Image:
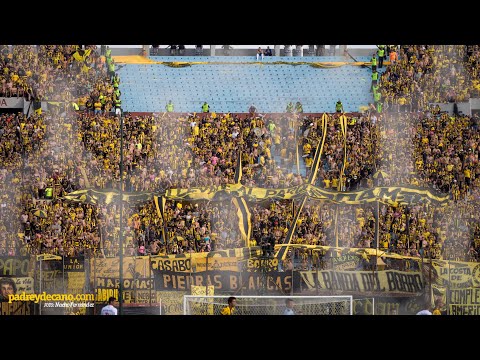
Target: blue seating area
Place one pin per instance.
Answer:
(233, 88)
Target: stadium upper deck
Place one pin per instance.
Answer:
(234, 83)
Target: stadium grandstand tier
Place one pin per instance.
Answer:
(389, 172)
(233, 84)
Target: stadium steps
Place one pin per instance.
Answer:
(232, 88)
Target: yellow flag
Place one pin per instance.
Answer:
(77, 56)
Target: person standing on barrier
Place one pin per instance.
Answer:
(118, 107)
(374, 79)
(298, 107)
(205, 107)
(290, 107)
(374, 62)
(339, 106)
(381, 55)
(169, 107)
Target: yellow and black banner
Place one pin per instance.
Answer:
(239, 254)
(172, 301)
(106, 196)
(216, 263)
(170, 263)
(402, 195)
(15, 266)
(388, 281)
(464, 301)
(17, 308)
(140, 290)
(455, 274)
(244, 218)
(228, 282)
(133, 267)
(80, 196)
(104, 276)
(160, 205)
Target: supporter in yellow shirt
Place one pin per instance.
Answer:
(230, 309)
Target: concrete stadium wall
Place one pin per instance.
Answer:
(11, 102)
(475, 104)
(125, 51)
(463, 107)
(241, 115)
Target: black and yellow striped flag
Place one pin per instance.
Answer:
(239, 170)
(160, 206)
(78, 55)
(82, 196)
(81, 55)
(244, 218)
(87, 53)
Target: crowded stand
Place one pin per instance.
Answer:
(75, 145)
(338, 171)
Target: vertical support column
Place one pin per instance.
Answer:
(298, 50)
(343, 49)
(287, 50)
(146, 50)
(212, 50)
(277, 50)
(320, 50)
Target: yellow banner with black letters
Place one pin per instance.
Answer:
(387, 194)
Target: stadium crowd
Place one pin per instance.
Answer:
(338, 171)
(47, 155)
(428, 73)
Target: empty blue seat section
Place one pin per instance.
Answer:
(234, 87)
